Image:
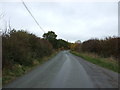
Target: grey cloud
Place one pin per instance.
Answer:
(71, 21)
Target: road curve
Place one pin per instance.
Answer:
(62, 71)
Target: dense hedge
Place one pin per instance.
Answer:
(23, 48)
(107, 47)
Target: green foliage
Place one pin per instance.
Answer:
(99, 61)
(11, 74)
(51, 37)
(57, 43)
(62, 44)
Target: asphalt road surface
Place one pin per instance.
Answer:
(67, 71)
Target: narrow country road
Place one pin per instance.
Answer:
(67, 71)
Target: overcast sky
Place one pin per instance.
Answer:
(69, 20)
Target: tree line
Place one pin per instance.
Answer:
(21, 47)
(56, 43)
(108, 47)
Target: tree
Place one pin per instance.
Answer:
(51, 37)
(76, 47)
(62, 44)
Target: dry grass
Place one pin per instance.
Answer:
(108, 59)
(109, 63)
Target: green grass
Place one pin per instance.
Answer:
(103, 62)
(19, 70)
(9, 75)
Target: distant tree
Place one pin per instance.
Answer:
(62, 44)
(57, 43)
(51, 37)
(75, 46)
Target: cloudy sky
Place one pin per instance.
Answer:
(69, 20)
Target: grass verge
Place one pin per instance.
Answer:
(9, 75)
(103, 62)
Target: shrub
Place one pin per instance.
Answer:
(21, 47)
